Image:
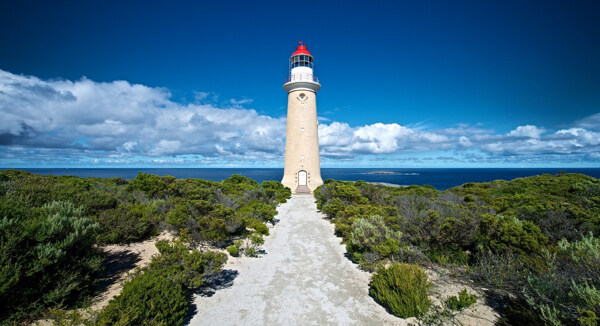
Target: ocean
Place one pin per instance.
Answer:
(440, 178)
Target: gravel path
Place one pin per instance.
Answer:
(303, 279)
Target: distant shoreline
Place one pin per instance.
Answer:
(387, 184)
(390, 173)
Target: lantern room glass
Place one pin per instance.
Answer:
(301, 61)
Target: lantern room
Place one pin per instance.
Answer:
(301, 65)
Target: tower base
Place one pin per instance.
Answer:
(302, 190)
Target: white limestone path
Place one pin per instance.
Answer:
(303, 279)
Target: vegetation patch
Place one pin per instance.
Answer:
(50, 228)
(159, 293)
(533, 241)
(47, 257)
(462, 301)
(403, 289)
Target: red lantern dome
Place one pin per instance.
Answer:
(301, 49)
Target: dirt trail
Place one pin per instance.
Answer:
(303, 279)
(121, 259)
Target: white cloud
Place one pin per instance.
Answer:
(526, 131)
(128, 118)
(378, 138)
(121, 123)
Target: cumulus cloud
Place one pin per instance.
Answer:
(338, 139)
(119, 123)
(527, 143)
(119, 117)
(527, 131)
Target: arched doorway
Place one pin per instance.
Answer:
(302, 178)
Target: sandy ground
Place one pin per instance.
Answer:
(302, 279)
(479, 314)
(121, 259)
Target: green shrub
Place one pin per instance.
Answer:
(462, 301)
(506, 271)
(125, 224)
(371, 234)
(152, 298)
(587, 318)
(251, 252)
(518, 312)
(348, 192)
(257, 225)
(257, 239)
(65, 317)
(469, 198)
(402, 289)
(500, 233)
(213, 230)
(276, 190)
(187, 267)
(569, 284)
(237, 184)
(158, 294)
(333, 207)
(233, 250)
(259, 211)
(152, 185)
(46, 258)
(179, 215)
(450, 255)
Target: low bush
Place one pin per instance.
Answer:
(569, 289)
(451, 255)
(153, 185)
(251, 252)
(256, 225)
(125, 224)
(372, 235)
(501, 233)
(462, 301)
(276, 190)
(159, 293)
(250, 246)
(152, 298)
(403, 289)
(257, 239)
(234, 249)
(46, 258)
(505, 271)
(258, 210)
(213, 230)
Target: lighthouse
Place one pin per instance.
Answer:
(302, 169)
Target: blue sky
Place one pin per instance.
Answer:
(404, 84)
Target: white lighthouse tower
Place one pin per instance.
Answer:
(302, 170)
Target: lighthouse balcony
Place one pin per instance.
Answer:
(302, 77)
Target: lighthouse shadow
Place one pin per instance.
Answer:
(222, 280)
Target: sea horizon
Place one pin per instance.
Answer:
(440, 178)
